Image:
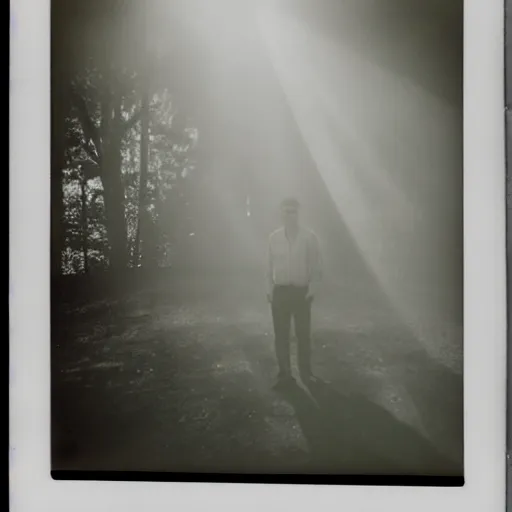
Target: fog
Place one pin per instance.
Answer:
(355, 108)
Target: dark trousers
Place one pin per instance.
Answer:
(289, 302)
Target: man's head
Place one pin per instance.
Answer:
(290, 212)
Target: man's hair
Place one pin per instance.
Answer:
(290, 202)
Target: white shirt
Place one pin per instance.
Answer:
(293, 261)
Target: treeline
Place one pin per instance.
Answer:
(123, 153)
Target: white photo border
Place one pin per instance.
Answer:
(485, 304)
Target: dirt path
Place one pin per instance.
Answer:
(189, 388)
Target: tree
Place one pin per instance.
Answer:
(104, 104)
(120, 151)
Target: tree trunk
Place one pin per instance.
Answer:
(85, 229)
(57, 214)
(113, 193)
(144, 161)
(161, 234)
(58, 125)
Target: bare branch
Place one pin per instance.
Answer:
(88, 127)
(93, 155)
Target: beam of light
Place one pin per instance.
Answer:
(382, 142)
(347, 107)
(244, 140)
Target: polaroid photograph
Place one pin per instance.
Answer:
(258, 243)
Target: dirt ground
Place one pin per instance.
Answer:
(167, 381)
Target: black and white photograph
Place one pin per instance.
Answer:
(258, 255)
(257, 238)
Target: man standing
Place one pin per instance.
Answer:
(293, 273)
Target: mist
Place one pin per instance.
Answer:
(354, 108)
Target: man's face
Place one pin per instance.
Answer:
(290, 215)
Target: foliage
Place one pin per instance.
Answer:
(105, 110)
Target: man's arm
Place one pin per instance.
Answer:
(315, 265)
(269, 272)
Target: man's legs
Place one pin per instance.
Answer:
(302, 321)
(281, 317)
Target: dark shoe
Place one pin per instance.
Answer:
(284, 381)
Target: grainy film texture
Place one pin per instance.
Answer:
(257, 236)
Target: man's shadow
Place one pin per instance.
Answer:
(350, 435)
